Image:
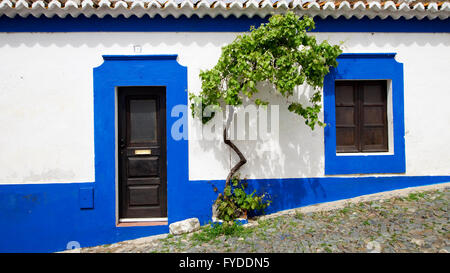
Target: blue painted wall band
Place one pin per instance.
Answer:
(208, 24)
(45, 217)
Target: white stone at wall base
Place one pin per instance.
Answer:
(185, 226)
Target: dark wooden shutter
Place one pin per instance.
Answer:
(361, 116)
(373, 116)
(347, 132)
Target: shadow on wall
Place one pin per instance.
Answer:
(154, 39)
(26, 208)
(296, 152)
(293, 149)
(301, 152)
(81, 51)
(113, 39)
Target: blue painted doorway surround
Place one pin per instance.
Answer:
(137, 70)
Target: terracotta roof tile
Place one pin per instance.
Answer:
(323, 8)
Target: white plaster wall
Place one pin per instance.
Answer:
(46, 105)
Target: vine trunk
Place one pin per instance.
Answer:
(242, 159)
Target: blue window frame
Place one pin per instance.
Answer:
(366, 66)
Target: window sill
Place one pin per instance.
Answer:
(142, 224)
(364, 154)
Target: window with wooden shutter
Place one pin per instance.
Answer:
(361, 116)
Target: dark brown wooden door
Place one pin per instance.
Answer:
(361, 116)
(142, 152)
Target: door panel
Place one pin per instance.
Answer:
(142, 152)
(143, 166)
(144, 195)
(143, 121)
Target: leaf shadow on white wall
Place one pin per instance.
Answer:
(297, 152)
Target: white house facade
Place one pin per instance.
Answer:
(98, 144)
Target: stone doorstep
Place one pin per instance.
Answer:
(339, 204)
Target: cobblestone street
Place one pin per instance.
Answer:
(414, 222)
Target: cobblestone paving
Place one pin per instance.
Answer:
(418, 222)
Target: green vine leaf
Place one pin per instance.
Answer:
(279, 52)
(236, 201)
